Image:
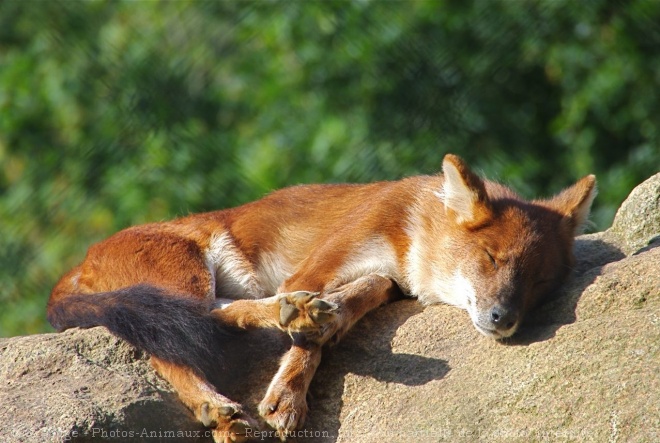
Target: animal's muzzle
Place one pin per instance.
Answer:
(503, 318)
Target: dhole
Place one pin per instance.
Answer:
(311, 261)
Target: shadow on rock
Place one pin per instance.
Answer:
(366, 351)
(543, 322)
(250, 360)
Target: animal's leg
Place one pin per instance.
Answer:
(299, 311)
(227, 418)
(355, 300)
(284, 407)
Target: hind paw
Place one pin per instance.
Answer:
(230, 424)
(303, 311)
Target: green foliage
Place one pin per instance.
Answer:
(117, 113)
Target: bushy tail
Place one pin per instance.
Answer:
(176, 329)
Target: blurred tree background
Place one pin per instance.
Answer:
(114, 113)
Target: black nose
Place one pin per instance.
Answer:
(503, 318)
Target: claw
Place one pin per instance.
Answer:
(303, 294)
(265, 409)
(206, 419)
(323, 311)
(322, 317)
(287, 312)
(323, 305)
(227, 411)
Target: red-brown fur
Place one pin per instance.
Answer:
(359, 246)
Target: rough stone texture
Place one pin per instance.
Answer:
(637, 221)
(586, 367)
(81, 383)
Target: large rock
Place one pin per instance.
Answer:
(637, 222)
(586, 367)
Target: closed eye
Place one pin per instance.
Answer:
(492, 260)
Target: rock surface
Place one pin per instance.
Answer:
(586, 367)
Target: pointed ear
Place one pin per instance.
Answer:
(463, 193)
(574, 203)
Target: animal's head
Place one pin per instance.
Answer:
(508, 253)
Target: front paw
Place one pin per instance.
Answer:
(284, 409)
(303, 311)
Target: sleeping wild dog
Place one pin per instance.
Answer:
(311, 261)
